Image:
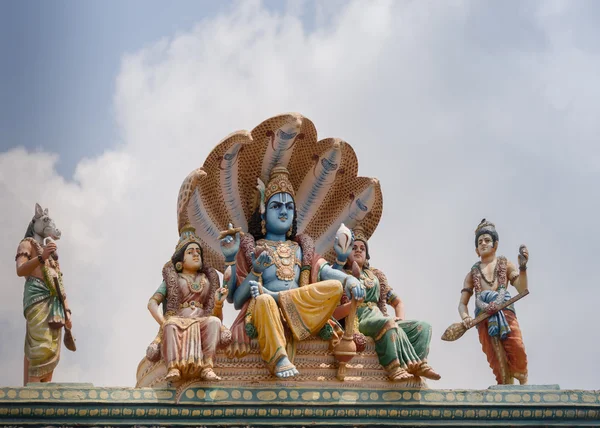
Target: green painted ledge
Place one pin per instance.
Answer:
(295, 404)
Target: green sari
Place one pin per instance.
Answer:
(397, 343)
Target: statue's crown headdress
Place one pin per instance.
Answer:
(359, 234)
(279, 182)
(187, 236)
(485, 225)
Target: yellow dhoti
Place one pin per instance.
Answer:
(305, 309)
(42, 343)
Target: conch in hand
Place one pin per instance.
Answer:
(344, 238)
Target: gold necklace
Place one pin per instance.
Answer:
(283, 254)
(195, 287)
(368, 278)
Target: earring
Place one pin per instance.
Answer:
(178, 266)
(289, 232)
(263, 227)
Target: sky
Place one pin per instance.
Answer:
(462, 110)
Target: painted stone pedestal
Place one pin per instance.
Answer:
(295, 404)
(314, 360)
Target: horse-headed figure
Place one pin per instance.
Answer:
(45, 305)
(42, 226)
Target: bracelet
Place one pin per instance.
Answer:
(229, 263)
(41, 260)
(258, 275)
(339, 262)
(69, 311)
(522, 268)
(467, 290)
(218, 305)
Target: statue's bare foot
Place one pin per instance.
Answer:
(285, 368)
(413, 366)
(208, 374)
(173, 375)
(425, 370)
(399, 374)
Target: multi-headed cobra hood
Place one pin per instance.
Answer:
(324, 175)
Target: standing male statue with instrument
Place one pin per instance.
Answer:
(499, 331)
(45, 303)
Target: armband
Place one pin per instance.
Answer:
(23, 254)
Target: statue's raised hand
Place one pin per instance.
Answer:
(48, 250)
(263, 261)
(221, 295)
(230, 244)
(523, 256)
(354, 288)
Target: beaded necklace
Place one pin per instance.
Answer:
(491, 284)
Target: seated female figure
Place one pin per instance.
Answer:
(190, 320)
(402, 346)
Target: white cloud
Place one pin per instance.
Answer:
(461, 111)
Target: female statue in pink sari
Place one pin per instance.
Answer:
(191, 316)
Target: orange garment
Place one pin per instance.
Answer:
(507, 357)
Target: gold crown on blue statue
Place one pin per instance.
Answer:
(187, 236)
(279, 182)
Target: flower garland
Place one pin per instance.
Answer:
(476, 273)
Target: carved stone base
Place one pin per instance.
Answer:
(295, 404)
(314, 361)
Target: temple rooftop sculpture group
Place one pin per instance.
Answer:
(287, 220)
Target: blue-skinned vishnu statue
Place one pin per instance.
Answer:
(284, 281)
(268, 239)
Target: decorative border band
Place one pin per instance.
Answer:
(274, 405)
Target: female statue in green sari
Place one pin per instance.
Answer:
(402, 346)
